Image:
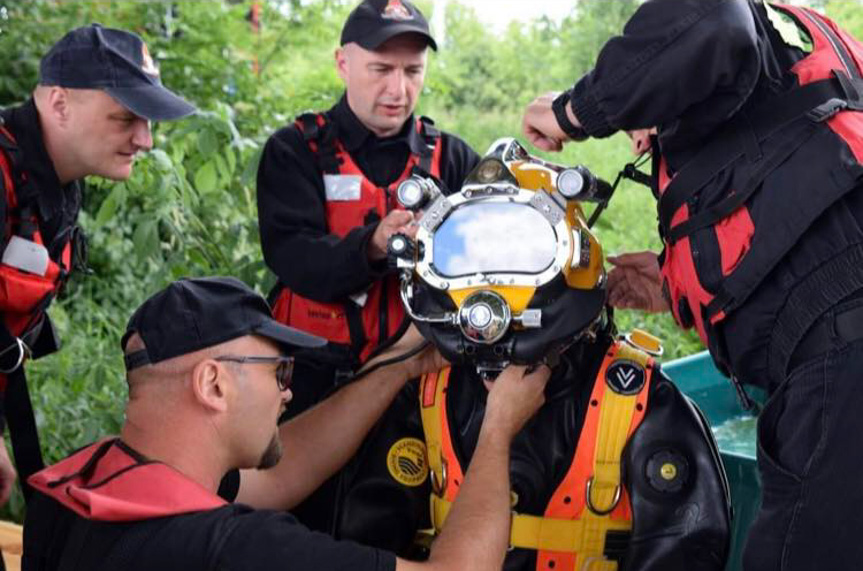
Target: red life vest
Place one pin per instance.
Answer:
(570, 534)
(375, 315)
(24, 296)
(25, 330)
(107, 481)
(710, 263)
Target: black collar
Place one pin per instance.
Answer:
(355, 136)
(23, 123)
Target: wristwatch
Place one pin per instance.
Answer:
(558, 106)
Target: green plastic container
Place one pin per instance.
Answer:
(734, 430)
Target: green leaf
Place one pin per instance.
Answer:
(231, 158)
(222, 167)
(146, 239)
(208, 143)
(162, 160)
(109, 206)
(206, 178)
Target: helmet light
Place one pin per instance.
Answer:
(570, 183)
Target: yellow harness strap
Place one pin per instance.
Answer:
(615, 419)
(582, 536)
(430, 399)
(445, 479)
(528, 531)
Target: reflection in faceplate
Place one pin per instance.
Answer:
(494, 237)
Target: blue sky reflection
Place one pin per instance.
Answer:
(491, 237)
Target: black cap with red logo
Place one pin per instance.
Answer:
(374, 22)
(118, 63)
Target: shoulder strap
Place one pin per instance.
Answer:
(446, 471)
(431, 136)
(619, 413)
(24, 192)
(817, 102)
(22, 429)
(430, 133)
(321, 135)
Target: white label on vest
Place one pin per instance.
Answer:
(343, 187)
(26, 255)
(360, 298)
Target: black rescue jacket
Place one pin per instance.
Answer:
(756, 166)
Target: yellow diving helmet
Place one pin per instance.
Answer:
(506, 270)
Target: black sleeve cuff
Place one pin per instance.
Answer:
(558, 107)
(587, 110)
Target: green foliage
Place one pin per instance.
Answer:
(847, 12)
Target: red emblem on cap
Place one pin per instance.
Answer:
(395, 10)
(147, 65)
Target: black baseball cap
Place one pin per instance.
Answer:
(117, 62)
(374, 22)
(195, 313)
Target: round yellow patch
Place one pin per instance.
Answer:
(407, 462)
(668, 471)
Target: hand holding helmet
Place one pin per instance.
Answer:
(515, 397)
(397, 221)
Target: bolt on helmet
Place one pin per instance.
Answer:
(506, 270)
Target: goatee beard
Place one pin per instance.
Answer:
(272, 454)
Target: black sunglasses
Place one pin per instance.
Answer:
(284, 368)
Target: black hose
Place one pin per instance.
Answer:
(397, 359)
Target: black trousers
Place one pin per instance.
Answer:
(810, 458)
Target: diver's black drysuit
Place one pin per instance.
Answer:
(686, 528)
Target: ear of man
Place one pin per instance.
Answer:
(55, 101)
(210, 385)
(341, 58)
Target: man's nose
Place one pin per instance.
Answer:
(142, 136)
(396, 83)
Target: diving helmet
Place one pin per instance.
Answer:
(506, 270)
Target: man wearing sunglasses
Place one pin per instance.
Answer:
(208, 379)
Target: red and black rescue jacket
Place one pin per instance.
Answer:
(758, 138)
(367, 319)
(24, 296)
(41, 244)
(713, 258)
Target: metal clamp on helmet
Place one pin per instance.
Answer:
(506, 270)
